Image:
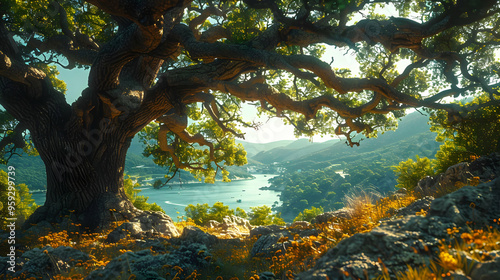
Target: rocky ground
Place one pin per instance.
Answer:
(405, 240)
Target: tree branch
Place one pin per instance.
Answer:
(63, 45)
(19, 72)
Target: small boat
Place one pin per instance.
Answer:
(239, 200)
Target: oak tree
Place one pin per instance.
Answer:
(180, 70)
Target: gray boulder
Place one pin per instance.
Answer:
(231, 226)
(487, 270)
(264, 230)
(484, 168)
(267, 275)
(273, 238)
(192, 234)
(416, 206)
(269, 244)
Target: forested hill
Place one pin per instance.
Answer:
(412, 137)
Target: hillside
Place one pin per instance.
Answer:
(412, 137)
(255, 148)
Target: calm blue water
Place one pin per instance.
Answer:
(174, 199)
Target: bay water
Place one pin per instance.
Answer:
(237, 193)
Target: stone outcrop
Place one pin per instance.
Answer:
(416, 206)
(192, 234)
(483, 169)
(409, 240)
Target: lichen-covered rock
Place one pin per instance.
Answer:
(142, 264)
(273, 238)
(235, 221)
(231, 226)
(268, 244)
(45, 262)
(145, 265)
(147, 225)
(263, 230)
(409, 240)
(477, 205)
(267, 275)
(483, 169)
(487, 270)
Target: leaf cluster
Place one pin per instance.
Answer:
(477, 134)
(18, 197)
(195, 158)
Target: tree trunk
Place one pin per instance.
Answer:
(84, 175)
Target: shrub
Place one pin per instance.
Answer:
(409, 172)
(477, 134)
(308, 214)
(139, 201)
(202, 213)
(261, 216)
(24, 205)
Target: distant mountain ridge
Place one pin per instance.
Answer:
(413, 134)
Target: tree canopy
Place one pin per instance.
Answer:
(180, 71)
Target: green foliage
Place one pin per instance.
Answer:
(410, 172)
(262, 216)
(7, 126)
(195, 158)
(202, 213)
(139, 201)
(42, 17)
(308, 214)
(15, 200)
(325, 188)
(477, 134)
